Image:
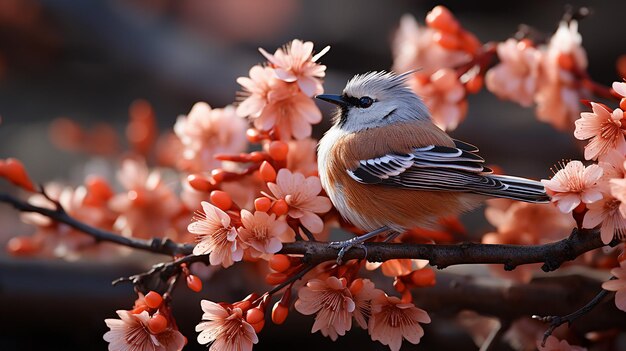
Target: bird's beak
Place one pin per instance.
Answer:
(333, 99)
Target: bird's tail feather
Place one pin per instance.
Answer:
(521, 189)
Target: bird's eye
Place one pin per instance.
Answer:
(365, 102)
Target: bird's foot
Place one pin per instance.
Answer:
(346, 245)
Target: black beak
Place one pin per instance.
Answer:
(333, 99)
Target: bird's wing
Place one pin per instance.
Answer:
(432, 167)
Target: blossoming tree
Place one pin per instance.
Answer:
(267, 206)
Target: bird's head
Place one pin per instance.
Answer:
(376, 99)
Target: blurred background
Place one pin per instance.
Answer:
(88, 60)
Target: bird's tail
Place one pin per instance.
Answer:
(520, 189)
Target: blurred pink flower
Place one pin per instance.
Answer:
(414, 48)
(363, 292)
(606, 212)
(148, 206)
(264, 234)
(530, 224)
(274, 104)
(397, 267)
(620, 88)
(522, 223)
(225, 328)
(301, 194)
(618, 285)
(444, 96)
(573, 184)
(216, 236)
(295, 63)
(515, 77)
(59, 239)
(603, 128)
(554, 344)
(393, 320)
(131, 333)
(559, 94)
(205, 132)
(618, 191)
(302, 156)
(332, 303)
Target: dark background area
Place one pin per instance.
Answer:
(88, 60)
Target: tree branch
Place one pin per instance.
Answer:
(552, 255)
(155, 245)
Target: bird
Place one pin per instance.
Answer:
(386, 167)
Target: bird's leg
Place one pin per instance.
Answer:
(344, 246)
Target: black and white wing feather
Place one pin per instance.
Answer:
(442, 168)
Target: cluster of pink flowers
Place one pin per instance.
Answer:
(206, 132)
(263, 231)
(277, 96)
(429, 51)
(148, 326)
(598, 189)
(548, 76)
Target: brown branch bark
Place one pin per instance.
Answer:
(155, 245)
(552, 255)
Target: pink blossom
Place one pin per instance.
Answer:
(529, 224)
(612, 164)
(363, 292)
(205, 132)
(558, 95)
(397, 267)
(603, 128)
(263, 233)
(274, 104)
(301, 194)
(216, 236)
(515, 77)
(414, 48)
(225, 328)
(606, 212)
(444, 96)
(554, 344)
(573, 184)
(296, 63)
(302, 156)
(618, 190)
(522, 223)
(148, 206)
(620, 88)
(131, 333)
(332, 303)
(393, 321)
(618, 285)
(59, 239)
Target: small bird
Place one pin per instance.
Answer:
(386, 167)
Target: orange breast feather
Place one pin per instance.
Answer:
(373, 206)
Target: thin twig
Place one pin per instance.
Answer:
(307, 268)
(160, 273)
(557, 321)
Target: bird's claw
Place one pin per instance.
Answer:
(345, 246)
